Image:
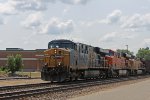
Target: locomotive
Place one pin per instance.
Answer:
(67, 60)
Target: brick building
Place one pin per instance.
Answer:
(32, 59)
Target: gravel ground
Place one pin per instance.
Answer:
(63, 95)
(134, 91)
(20, 82)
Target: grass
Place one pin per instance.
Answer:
(3, 73)
(30, 74)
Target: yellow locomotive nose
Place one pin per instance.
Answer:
(57, 60)
(57, 57)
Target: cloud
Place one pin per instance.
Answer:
(137, 22)
(24, 5)
(147, 41)
(56, 26)
(74, 1)
(7, 8)
(115, 36)
(88, 23)
(36, 22)
(1, 41)
(33, 20)
(109, 37)
(10, 7)
(112, 18)
(66, 9)
(1, 21)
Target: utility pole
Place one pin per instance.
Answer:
(127, 49)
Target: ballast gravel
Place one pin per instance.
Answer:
(20, 82)
(64, 95)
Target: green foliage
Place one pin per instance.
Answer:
(124, 51)
(11, 64)
(14, 63)
(144, 53)
(3, 68)
(18, 62)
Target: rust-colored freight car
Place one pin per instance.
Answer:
(147, 65)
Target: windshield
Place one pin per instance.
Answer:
(61, 45)
(110, 53)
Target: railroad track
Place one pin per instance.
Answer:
(43, 90)
(18, 78)
(17, 87)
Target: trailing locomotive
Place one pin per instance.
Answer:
(147, 65)
(67, 60)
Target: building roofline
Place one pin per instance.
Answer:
(22, 50)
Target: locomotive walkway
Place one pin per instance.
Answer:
(136, 91)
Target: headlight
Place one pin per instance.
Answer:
(59, 63)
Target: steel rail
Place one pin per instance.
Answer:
(31, 92)
(2, 88)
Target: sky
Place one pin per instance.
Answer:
(112, 24)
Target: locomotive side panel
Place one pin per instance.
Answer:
(119, 62)
(82, 56)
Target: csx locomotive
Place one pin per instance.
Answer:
(67, 60)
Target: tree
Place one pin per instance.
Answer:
(147, 57)
(14, 63)
(11, 64)
(147, 48)
(18, 62)
(144, 53)
(124, 51)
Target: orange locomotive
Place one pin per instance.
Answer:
(116, 63)
(124, 64)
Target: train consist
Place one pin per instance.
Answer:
(67, 60)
